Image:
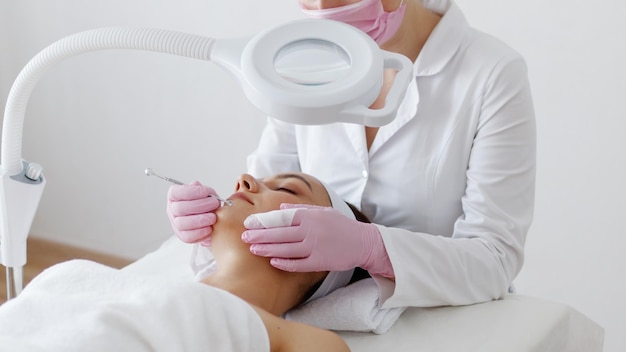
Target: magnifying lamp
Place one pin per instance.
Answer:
(304, 72)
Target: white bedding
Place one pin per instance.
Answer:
(85, 306)
(160, 287)
(516, 323)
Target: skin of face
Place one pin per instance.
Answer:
(254, 196)
(261, 195)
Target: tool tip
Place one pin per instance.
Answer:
(148, 172)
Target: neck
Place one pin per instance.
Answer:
(252, 278)
(417, 25)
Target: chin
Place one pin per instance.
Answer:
(229, 218)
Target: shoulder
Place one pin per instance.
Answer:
(477, 42)
(489, 48)
(455, 50)
(286, 336)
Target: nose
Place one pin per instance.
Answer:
(246, 183)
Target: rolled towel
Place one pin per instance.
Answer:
(351, 308)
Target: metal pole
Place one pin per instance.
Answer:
(15, 282)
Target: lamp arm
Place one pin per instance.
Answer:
(157, 40)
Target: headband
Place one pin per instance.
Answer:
(334, 279)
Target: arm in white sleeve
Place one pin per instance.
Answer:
(485, 252)
(276, 152)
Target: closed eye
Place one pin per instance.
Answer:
(282, 189)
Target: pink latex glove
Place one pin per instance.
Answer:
(191, 212)
(308, 238)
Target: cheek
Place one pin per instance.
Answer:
(282, 198)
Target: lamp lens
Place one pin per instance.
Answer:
(312, 62)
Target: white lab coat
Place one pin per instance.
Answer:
(450, 181)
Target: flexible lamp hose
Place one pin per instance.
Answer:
(157, 40)
(22, 182)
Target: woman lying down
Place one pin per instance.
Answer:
(81, 304)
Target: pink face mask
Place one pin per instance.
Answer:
(366, 15)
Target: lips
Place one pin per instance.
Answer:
(242, 196)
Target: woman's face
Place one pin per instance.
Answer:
(261, 195)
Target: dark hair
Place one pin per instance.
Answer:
(358, 215)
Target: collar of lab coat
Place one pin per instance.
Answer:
(439, 6)
(439, 49)
(443, 42)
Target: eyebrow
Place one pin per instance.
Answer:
(299, 177)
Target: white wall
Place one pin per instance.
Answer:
(96, 121)
(576, 52)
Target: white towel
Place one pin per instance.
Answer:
(351, 308)
(85, 306)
